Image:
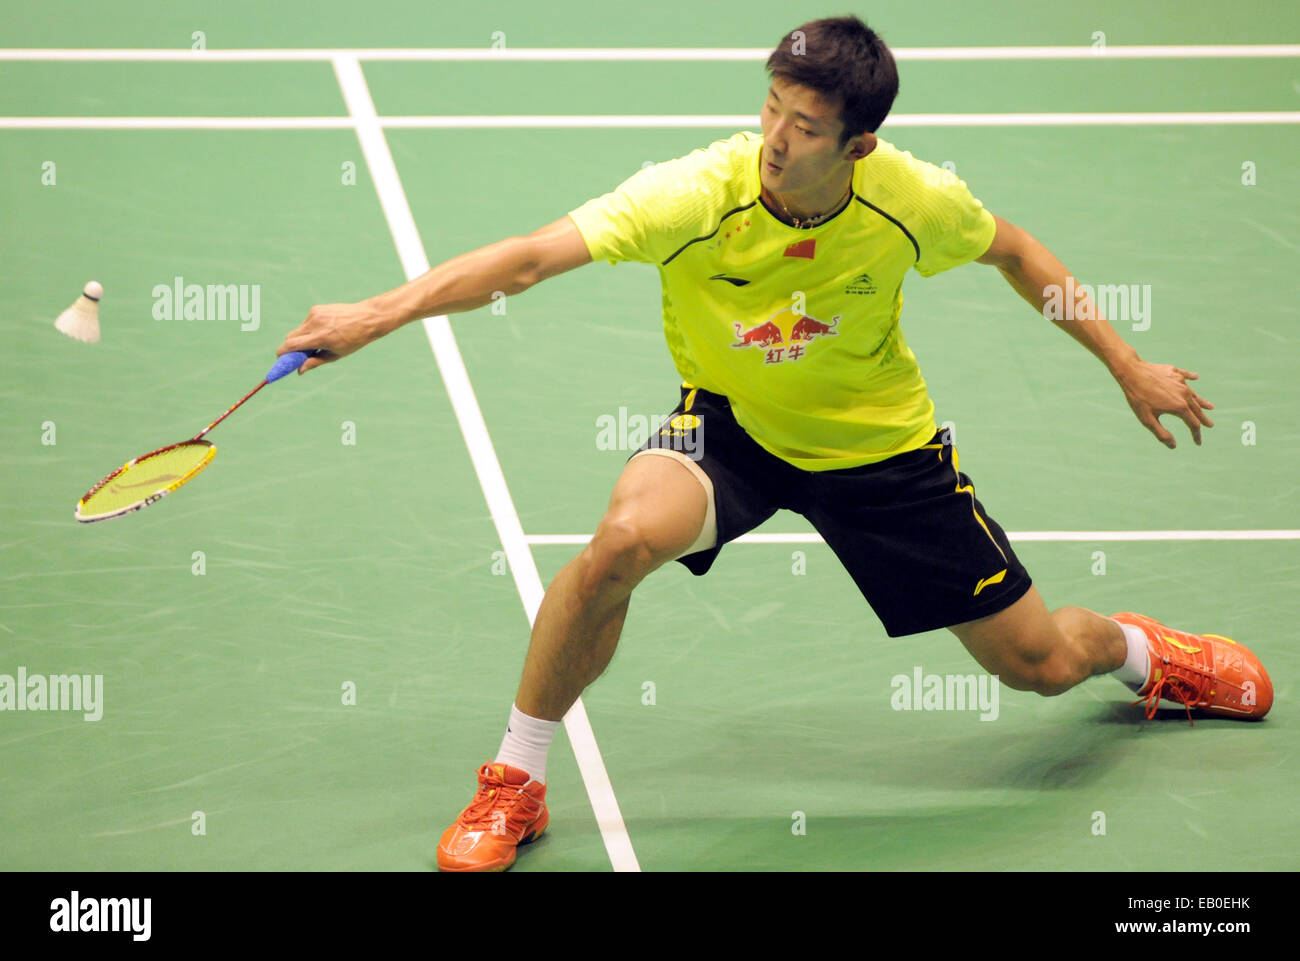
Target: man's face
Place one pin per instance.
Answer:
(801, 132)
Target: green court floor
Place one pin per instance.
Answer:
(228, 620)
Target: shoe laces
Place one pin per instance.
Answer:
(494, 798)
(1175, 686)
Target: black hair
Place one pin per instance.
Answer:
(847, 63)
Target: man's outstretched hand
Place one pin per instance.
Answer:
(1155, 389)
(336, 329)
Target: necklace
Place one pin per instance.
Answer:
(806, 222)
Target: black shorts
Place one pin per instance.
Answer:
(908, 529)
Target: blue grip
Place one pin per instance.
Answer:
(288, 364)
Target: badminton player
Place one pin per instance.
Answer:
(782, 258)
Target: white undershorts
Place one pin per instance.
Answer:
(709, 533)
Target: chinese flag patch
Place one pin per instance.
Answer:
(804, 248)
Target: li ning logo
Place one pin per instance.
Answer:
(946, 692)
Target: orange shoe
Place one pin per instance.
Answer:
(1209, 672)
(508, 810)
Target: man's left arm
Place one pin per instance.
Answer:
(1151, 389)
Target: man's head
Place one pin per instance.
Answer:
(833, 83)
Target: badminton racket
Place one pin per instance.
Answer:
(152, 476)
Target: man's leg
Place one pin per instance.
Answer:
(1032, 649)
(657, 512)
(920, 547)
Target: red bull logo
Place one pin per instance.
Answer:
(764, 335)
(779, 348)
(806, 328)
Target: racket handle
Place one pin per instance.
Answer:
(288, 364)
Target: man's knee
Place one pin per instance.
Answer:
(1028, 647)
(1040, 665)
(621, 553)
(1048, 678)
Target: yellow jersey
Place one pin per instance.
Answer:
(798, 328)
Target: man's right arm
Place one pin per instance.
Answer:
(463, 283)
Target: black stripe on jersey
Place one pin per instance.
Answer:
(735, 210)
(915, 245)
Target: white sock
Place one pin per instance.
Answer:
(1137, 667)
(526, 742)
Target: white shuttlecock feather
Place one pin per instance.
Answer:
(81, 320)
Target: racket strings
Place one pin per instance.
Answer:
(145, 479)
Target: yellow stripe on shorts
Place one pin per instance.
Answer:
(970, 489)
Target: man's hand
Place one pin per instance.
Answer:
(337, 329)
(1037, 275)
(1155, 389)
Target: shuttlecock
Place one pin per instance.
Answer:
(81, 320)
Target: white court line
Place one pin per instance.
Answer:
(1047, 536)
(659, 121)
(1166, 118)
(519, 555)
(177, 123)
(713, 54)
